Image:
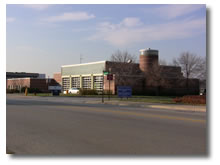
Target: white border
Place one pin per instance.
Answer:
(214, 111)
(98, 62)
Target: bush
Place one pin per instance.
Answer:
(12, 91)
(191, 99)
(34, 90)
(106, 92)
(31, 90)
(88, 92)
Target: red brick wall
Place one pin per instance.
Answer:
(112, 84)
(57, 77)
(24, 82)
(41, 84)
(147, 61)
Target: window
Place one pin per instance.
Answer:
(86, 82)
(66, 83)
(98, 83)
(75, 82)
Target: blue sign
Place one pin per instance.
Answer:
(124, 91)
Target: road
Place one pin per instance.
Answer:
(44, 125)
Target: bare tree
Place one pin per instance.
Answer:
(123, 66)
(156, 78)
(123, 56)
(202, 70)
(193, 66)
(162, 62)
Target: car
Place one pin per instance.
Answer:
(73, 90)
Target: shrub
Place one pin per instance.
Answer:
(34, 90)
(12, 91)
(106, 92)
(191, 99)
(31, 90)
(88, 92)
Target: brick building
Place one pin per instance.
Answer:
(57, 77)
(145, 77)
(39, 83)
(10, 75)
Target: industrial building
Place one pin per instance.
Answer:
(10, 75)
(18, 80)
(145, 77)
(57, 77)
(35, 83)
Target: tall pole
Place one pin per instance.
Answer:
(109, 90)
(48, 84)
(109, 84)
(103, 88)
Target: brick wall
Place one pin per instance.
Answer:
(41, 84)
(112, 84)
(57, 77)
(16, 83)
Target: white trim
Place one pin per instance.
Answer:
(99, 74)
(20, 78)
(86, 75)
(65, 76)
(83, 64)
(75, 75)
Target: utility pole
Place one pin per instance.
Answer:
(103, 88)
(109, 84)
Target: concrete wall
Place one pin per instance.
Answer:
(83, 69)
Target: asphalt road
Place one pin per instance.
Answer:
(42, 125)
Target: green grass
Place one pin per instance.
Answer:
(149, 99)
(40, 94)
(134, 98)
(78, 95)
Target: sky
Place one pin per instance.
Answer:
(42, 38)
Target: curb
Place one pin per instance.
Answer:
(186, 108)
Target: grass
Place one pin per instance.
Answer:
(40, 94)
(134, 98)
(149, 99)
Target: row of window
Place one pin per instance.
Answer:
(66, 83)
(86, 82)
(18, 87)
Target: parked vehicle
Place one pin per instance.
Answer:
(72, 91)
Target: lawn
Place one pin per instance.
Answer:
(147, 99)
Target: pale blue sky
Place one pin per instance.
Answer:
(41, 38)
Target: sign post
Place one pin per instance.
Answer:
(104, 73)
(109, 78)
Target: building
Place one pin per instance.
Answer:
(10, 75)
(145, 77)
(86, 76)
(18, 80)
(57, 77)
(38, 83)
